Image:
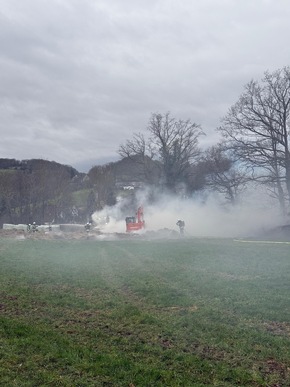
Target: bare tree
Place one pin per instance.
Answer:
(35, 190)
(141, 153)
(48, 191)
(7, 194)
(172, 143)
(256, 128)
(224, 173)
(102, 178)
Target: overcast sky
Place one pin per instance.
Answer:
(79, 77)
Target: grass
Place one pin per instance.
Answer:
(192, 312)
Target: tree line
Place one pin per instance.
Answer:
(35, 190)
(253, 151)
(254, 146)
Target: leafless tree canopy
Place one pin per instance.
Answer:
(173, 143)
(257, 129)
(254, 147)
(224, 173)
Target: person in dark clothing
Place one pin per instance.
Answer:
(180, 223)
(87, 227)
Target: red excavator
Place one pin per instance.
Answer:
(135, 223)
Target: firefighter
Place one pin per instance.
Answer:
(87, 226)
(34, 227)
(180, 223)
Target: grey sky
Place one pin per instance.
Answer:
(78, 77)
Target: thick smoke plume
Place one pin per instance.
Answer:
(202, 218)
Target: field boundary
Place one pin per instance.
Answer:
(268, 242)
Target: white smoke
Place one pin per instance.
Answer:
(110, 219)
(202, 219)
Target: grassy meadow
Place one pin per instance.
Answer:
(185, 312)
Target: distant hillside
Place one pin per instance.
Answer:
(35, 164)
(40, 190)
(47, 191)
(127, 169)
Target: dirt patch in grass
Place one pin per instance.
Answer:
(40, 235)
(234, 277)
(178, 309)
(10, 305)
(207, 352)
(11, 233)
(278, 328)
(274, 368)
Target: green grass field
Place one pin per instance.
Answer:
(192, 312)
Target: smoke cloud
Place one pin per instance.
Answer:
(202, 217)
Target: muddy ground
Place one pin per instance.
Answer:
(281, 233)
(83, 235)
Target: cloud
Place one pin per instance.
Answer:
(78, 77)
